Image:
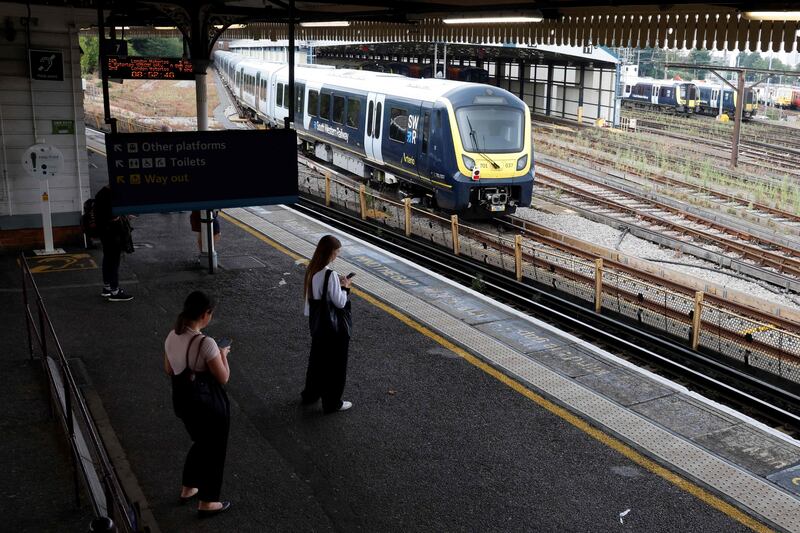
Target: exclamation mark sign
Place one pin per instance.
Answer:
(33, 160)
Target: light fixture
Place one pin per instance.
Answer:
(231, 27)
(773, 15)
(166, 28)
(528, 16)
(326, 24)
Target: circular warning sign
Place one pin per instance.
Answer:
(42, 161)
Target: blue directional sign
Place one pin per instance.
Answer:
(182, 171)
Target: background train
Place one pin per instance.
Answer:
(673, 96)
(467, 146)
(711, 105)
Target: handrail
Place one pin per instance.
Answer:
(88, 452)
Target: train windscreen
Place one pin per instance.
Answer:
(491, 129)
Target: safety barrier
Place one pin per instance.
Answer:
(683, 315)
(88, 453)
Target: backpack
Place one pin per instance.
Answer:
(89, 219)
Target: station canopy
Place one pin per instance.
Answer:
(726, 25)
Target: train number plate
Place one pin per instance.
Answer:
(498, 208)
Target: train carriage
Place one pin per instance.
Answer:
(467, 146)
(663, 95)
(716, 100)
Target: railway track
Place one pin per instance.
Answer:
(697, 193)
(765, 260)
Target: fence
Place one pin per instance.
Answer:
(88, 453)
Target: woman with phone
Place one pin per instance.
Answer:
(327, 362)
(199, 369)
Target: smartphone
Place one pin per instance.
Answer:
(224, 342)
(350, 275)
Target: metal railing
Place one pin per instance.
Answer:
(88, 452)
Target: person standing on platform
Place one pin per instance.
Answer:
(194, 220)
(199, 369)
(115, 236)
(327, 362)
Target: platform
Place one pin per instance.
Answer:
(468, 415)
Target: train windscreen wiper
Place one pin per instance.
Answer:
(474, 136)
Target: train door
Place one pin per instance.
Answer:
(372, 133)
(654, 94)
(424, 154)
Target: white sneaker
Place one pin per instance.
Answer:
(346, 405)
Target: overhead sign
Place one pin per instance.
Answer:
(46, 65)
(180, 171)
(62, 126)
(149, 68)
(42, 161)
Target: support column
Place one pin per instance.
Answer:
(549, 92)
(580, 94)
(737, 126)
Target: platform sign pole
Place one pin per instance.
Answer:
(47, 218)
(207, 228)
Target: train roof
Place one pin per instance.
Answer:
(427, 89)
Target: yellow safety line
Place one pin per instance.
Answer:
(612, 442)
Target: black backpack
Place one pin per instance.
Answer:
(89, 219)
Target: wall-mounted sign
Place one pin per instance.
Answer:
(46, 65)
(181, 171)
(42, 161)
(149, 68)
(63, 126)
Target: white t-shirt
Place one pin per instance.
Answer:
(336, 294)
(175, 347)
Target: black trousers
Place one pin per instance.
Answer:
(112, 252)
(327, 371)
(205, 462)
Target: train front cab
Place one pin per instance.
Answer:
(492, 153)
(687, 96)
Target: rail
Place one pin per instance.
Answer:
(88, 452)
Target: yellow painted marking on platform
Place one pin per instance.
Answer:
(61, 263)
(560, 412)
(756, 330)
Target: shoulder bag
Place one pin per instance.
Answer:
(325, 319)
(198, 393)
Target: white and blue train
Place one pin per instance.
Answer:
(467, 146)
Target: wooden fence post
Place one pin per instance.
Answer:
(598, 285)
(327, 189)
(362, 195)
(518, 256)
(407, 207)
(697, 319)
(454, 228)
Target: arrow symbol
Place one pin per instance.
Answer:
(117, 147)
(119, 164)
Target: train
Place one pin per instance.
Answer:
(466, 147)
(673, 96)
(710, 101)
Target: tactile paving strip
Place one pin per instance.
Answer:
(754, 493)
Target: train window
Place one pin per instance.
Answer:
(426, 124)
(338, 109)
(398, 124)
(378, 112)
(313, 103)
(353, 112)
(666, 92)
(285, 96)
(369, 119)
(325, 106)
(279, 96)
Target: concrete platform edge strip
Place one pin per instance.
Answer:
(753, 493)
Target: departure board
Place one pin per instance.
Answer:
(149, 68)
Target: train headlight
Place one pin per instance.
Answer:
(468, 161)
(522, 161)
